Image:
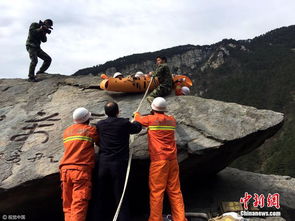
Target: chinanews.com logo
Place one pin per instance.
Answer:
(261, 201)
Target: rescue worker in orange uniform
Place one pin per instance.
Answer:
(182, 91)
(164, 169)
(180, 88)
(76, 165)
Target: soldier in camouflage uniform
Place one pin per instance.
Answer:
(164, 77)
(37, 34)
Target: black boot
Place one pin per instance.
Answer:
(32, 79)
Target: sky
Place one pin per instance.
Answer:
(92, 32)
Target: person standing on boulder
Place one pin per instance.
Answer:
(37, 34)
(77, 164)
(164, 169)
(164, 77)
(114, 133)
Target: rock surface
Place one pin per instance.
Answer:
(35, 114)
(210, 134)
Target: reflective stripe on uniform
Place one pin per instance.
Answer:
(162, 127)
(72, 138)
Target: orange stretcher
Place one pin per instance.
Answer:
(136, 84)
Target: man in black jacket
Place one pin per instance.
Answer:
(113, 157)
(37, 34)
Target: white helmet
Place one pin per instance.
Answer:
(159, 104)
(138, 74)
(185, 90)
(117, 74)
(81, 115)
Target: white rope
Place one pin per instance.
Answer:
(130, 157)
(139, 106)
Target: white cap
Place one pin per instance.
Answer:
(185, 90)
(139, 74)
(81, 115)
(117, 74)
(159, 104)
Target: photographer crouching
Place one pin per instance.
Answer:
(37, 34)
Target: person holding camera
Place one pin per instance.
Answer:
(37, 34)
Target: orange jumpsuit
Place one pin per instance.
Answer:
(181, 82)
(178, 85)
(76, 170)
(164, 170)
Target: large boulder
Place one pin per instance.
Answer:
(210, 134)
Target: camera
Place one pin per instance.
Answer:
(46, 29)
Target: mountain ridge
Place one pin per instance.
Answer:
(258, 72)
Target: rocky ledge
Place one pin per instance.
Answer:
(210, 134)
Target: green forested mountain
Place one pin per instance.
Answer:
(264, 78)
(259, 72)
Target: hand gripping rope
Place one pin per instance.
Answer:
(130, 157)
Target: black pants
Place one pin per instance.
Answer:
(34, 54)
(108, 188)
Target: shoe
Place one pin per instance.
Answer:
(32, 79)
(39, 72)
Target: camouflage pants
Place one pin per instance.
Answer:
(34, 53)
(159, 91)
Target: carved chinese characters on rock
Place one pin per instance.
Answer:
(34, 126)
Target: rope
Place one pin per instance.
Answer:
(139, 106)
(130, 157)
